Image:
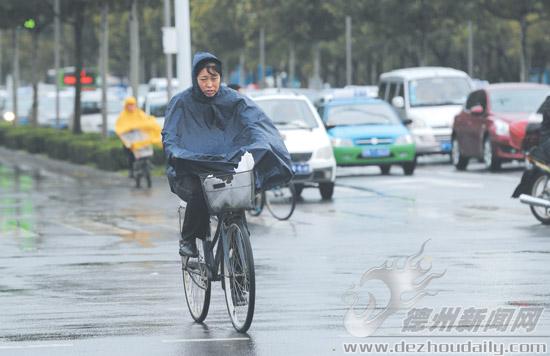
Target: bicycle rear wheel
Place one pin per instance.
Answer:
(239, 276)
(281, 201)
(196, 284)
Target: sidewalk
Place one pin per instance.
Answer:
(41, 162)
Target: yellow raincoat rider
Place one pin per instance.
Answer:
(137, 131)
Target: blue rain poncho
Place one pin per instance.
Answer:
(210, 134)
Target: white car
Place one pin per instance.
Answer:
(305, 138)
(155, 105)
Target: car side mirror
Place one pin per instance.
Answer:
(398, 102)
(477, 110)
(406, 122)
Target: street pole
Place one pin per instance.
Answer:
(183, 29)
(470, 49)
(242, 78)
(168, 23)
(104, 65)
(291, 65)
(262, 58)
(1, 59)
(134, 49)
(15, 72)
(348, 50)
(57, 38)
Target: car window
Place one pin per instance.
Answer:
(289, 114)
(391, 91)
(361, 114)
(157, 110)
(517, 100)
(438, 91)
(382, 90)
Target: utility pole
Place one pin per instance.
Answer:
(348, 50)
(168, 23)
(470, 49)
(104, 65)
(291, 65)
(183, 29)
(15, 72)
(57, 39)
(261, 80)
(242, 73)
(1, 59)
(134, 49)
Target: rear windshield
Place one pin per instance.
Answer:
(438, 91)
(517, 100)
(288, 113)
(361, 114)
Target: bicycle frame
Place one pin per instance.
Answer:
(214, 260)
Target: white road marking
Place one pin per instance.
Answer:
(206, 340)
(37, 346)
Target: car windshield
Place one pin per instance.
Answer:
(438, 91)
(289, 113)
(361, 114)
(157, 110)
(517, 100)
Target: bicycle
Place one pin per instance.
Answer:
(227, 256)
(280, 201)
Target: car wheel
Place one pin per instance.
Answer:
(459, 161)
(492, 162)
(385, 169)
(408, 167)
(326, 190)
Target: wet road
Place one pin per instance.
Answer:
(90, 266)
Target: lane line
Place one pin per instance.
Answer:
(10, 347)
(206, 340)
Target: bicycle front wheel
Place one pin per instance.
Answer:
(196, 284)
(239, 276)
(281, 201)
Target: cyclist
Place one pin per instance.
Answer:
(133, 120)
(208, 128)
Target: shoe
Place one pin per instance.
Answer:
(188, 248)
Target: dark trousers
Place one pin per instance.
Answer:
(196, 223)
(131, 158)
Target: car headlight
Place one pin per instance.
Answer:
(404, 140)
(341, 142)
(324, 153)
(502, 128)
(9, 116)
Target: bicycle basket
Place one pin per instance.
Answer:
(228, 192)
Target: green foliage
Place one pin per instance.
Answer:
(106, 154)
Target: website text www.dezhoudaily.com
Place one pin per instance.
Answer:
(468, 347)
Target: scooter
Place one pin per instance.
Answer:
(539, 197)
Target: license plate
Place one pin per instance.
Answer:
(301, 168)
(375, 152)
(445, 146)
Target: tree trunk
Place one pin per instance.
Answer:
(78, 25)
(34, 65)
(523, 61)
(15, 75)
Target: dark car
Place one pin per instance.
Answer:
(482, 129)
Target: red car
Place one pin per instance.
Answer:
(482, 129)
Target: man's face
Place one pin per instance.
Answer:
(208, 83)
(131, 107)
